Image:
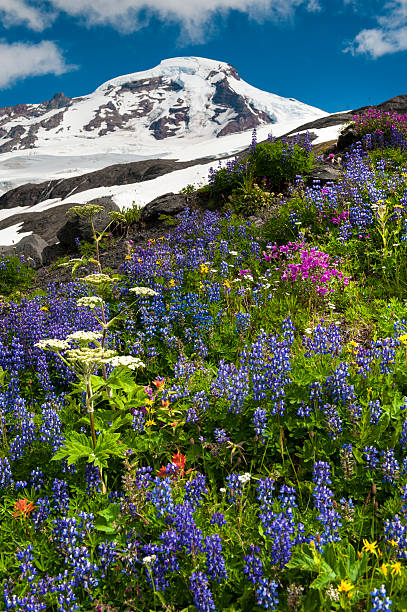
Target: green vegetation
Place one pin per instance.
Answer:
(222, 426)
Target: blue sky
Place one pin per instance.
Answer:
(333, 54)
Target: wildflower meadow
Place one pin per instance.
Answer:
(220, 424)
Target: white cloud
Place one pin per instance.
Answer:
(20, 12)
(22, 60)
(378, 42)
(389, 37)
(126, 13)
(131, 15)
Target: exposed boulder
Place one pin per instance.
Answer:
(77, 228)
(346, 139)
(31, 247)
(323, 173)
(168, 204)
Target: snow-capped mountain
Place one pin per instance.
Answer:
(184, 113)
(182, 99)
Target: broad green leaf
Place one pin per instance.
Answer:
(76, 447)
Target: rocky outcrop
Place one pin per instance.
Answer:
(53, 234)
(29, 246)
(247, 117)
(169, 204)
(345, 140)
(77, 229)
(324, 173)
(118, 174)
(398, 104)
(59, 100)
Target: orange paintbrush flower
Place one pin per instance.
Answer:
(159, 383)
(179, 461)
(22, 508)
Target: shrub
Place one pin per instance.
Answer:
(188, 189)
(223, 181)
(375, 120)
(280, 162)
(15, 273)
(127, 217)
(249, 198)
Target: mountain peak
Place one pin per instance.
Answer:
(175, 67)
(187, 99)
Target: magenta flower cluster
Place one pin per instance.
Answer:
(375, 120)
(316, 269)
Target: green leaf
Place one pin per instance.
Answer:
(76, 447)
(358, 455)
(302, 560)
(109, 420)
(107, 444)
(322, 581)
(108, 517)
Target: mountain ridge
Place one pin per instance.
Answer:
(181, 97)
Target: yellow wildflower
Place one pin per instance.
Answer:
(370, 547)
(383, 569)
(150, 422)
(204, 269)
(172, 283)
(227, 284)
(396, 569)
(345, 586)
(128, 257)
(44, 308)
(393, 542)
(403, 339)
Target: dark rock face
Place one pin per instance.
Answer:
(59, 100)
(109, 115)
(169, 204)
(168, 126)
(80, 229)
(247, 117)
(29, 246)
(24, 137)
(51, 226)
(145, 85)
(324, 173)
(346, 140)
(118, 174)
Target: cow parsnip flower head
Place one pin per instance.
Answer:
(92, 301)
(143, 291)
(71, 262)
(84, 336)
(98, 279)
(85, 211)
(87, 356)
(53, 344)
(126, 361)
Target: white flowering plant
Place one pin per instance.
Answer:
(118, 391)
